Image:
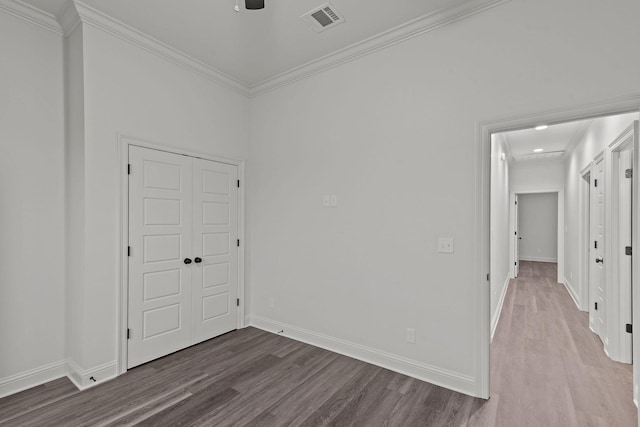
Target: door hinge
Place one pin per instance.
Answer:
(129, 169)
(238, 183)
(237, 302)
(516, 202)
(238, 243)
(627, 250)
(515, 263)
(596, 305)
(128, 250)
(128, 333)
(629, 328)
(595, 244)
(515, 233)
(628, 173)
(488, 277)
(595, 182)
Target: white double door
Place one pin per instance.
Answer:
(183, 260)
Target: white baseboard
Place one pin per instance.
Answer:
(496, 316)
(84, 379)
(31, 378)
(422, 371)
(537, 259)
(572, 293)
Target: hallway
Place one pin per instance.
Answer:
(547, 367)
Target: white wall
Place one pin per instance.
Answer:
(538, 227)
(393, 135)
(32, 221)
(537, 175)
(129, 91)
(501, 234)
(600, 134)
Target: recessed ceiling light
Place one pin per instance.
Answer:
(538, 150)
(541, 127)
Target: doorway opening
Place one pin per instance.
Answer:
(572, 184)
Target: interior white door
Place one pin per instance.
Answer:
(597, 273)
(625, 163)
(215, 234)
(516, 241)
(160, 229)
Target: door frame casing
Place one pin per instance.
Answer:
(584, 250)
(122, 203)
(616, 346)
(481, 237)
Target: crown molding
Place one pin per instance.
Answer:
(399, 34)
(76, 12)
(507, 146)
(68, 18)
(31, 14)
(97, 19)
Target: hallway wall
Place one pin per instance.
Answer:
(32, 224)
(500, 231)
(601, 132)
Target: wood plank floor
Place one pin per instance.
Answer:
(548, 369)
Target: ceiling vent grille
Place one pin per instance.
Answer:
(323, 17)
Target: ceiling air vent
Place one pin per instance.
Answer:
(323, 17)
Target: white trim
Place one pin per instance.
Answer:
(399, 34)
(538, 259)
(31, 14)
(496, 316)
(584, 275)
(432, 374)
(122, 262)
(68, 18)
(572, 292)
(82, 378)
(32, 378)
(97, 19)
(481, 238)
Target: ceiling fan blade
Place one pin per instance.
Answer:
(254, 4)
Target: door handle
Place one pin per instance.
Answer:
(197, 260)
(600, 260)
(519, 238)
(187, 261)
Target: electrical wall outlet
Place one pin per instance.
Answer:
(411, 335)
(326, 200)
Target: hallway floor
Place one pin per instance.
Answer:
(548, 368)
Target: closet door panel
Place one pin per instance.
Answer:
(160, 238)
(215, 234)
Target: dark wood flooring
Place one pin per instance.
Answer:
(548, 369)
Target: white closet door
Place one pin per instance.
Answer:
(215, 234)
(160, 230)
(597, 316)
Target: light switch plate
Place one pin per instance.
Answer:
(445, 245)
(334, 200)
(326, 200)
